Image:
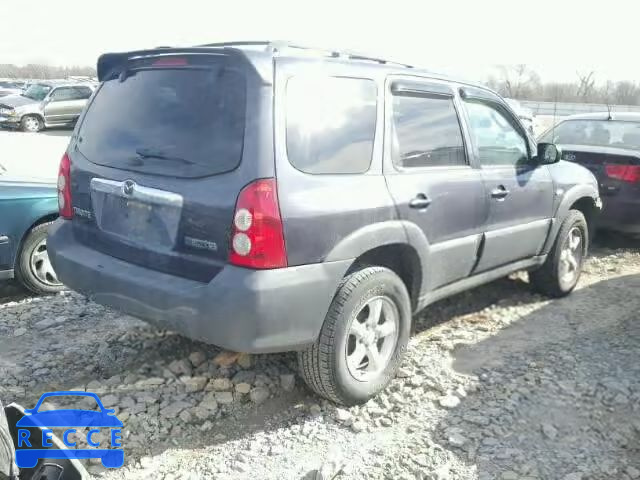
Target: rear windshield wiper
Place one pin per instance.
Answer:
(145, 153)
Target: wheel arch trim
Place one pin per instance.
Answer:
(572, 196)
(388, 233)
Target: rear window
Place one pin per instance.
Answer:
(597, 133)
(185, 121)
(331, 123)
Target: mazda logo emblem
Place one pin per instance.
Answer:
(128, 187)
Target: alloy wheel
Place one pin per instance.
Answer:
(571, 256)
(32, 124)
(41, 265)
(372, 338)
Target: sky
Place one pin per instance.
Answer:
(465, 38)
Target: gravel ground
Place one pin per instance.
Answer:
(498, 383)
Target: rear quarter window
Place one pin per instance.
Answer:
(330, 124)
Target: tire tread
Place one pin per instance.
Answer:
(22, 269)
(546, 279)
(315, 362)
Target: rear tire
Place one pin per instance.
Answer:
(33, 268)
(362, 340)
(560, 273)
(31, 123)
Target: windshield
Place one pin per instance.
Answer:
(186, 122)
(37, 92)
(598, 133)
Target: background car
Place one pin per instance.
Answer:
(608, 144)
(27, 208)
(10, 88)
(45, 104)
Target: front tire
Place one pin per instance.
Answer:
(560, 273)
(362, 340)
(31, 123)
(33, 268)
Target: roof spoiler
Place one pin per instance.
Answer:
(107, 62)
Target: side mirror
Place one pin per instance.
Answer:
(548, 153)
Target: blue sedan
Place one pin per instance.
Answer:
(27, 208)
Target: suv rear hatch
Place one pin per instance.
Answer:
(161, 154)
(609, 147)
(616, 169)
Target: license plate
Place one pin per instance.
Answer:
(147, 216)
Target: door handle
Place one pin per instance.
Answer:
(500, 192)
(420, 201)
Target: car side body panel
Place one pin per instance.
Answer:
(21, 206)
(517, 223)
(320, 211)
(452, 222)
(572, 183)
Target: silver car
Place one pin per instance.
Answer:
(10, 87)
(45, 104)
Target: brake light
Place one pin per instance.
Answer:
(257, 237)
(64, 188)
(170, 62)
(626, 173)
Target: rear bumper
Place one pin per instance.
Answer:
(254, 311)
(620, 214)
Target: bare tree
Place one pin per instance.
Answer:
(40, 71)
(519, 81)
(515, 81)
(626, 93)
(586, 86)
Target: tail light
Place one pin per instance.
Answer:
(257, 237)
(64, 188)
(626, 173)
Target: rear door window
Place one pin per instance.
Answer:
(426, 132)
(331, 123)
(63, 94)
(81, 93)
(175, 118)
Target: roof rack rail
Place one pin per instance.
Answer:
(277, 45)
(357, 56)
(243, 43)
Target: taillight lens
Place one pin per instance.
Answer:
(257, 237)
(64, 188)
(626, 173)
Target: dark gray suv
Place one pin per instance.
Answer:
(270, 198)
